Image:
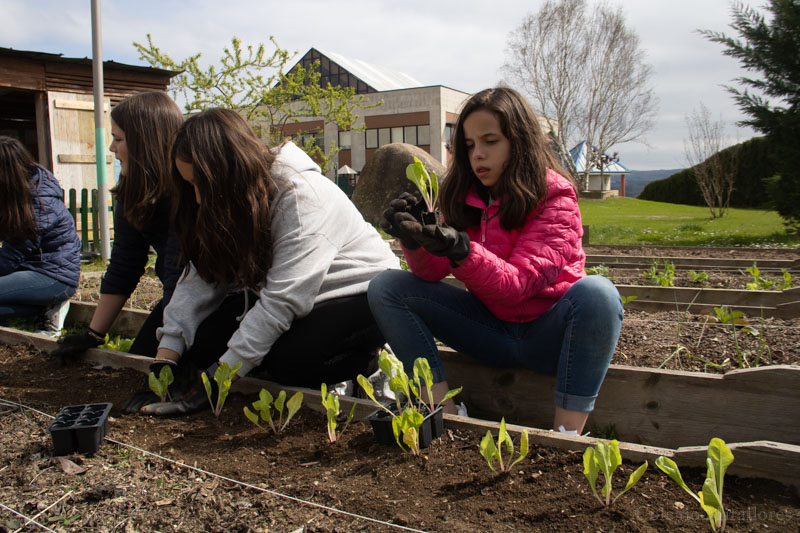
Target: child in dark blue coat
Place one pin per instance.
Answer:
(41, 252)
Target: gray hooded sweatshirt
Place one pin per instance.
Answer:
(322, 249)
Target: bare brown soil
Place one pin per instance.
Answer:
(197, 473)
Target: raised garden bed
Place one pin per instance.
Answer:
(280, 483)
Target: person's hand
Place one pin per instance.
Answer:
(182, 378)
(71, 346)
(191, 400)
(402, 219)
(444, 241)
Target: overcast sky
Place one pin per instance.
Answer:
(459, 44)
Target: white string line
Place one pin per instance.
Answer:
(231, 480)
(29, 520)
(37, 515)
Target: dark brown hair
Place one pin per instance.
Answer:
(227, 236)
(523, 184)
(149, 120)
(17, 218)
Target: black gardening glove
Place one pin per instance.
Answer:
(182, 378)
(192, 400)
(445, 241)
(398, 219)
(71, 346)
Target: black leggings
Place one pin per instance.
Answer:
(335, 342)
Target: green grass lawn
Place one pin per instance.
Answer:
(641, 222)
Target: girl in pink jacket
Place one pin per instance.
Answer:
(511, 231)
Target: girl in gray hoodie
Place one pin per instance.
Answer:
(279, 261)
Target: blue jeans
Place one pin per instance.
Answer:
(574, 340)
(27, 293)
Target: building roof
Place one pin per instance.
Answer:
(380, 78)
(579, 158)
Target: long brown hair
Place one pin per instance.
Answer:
(149, 120)
(17, 218)
(227, 236)
(523, 184)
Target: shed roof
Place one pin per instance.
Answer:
(578, 154)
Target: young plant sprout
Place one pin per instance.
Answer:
(491, 451)
(264, 405)
(718, 460)
(605, 458)
(160, 385)
(407, 424)
(331, 403)
(223, 376)
(427, 184)
(407, 394)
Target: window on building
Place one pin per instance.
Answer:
(448, 132)
(423, 135)
(416, 135)
(302, 139)
(345, 140)
(372, 139)
(411, 134)
(383, 136)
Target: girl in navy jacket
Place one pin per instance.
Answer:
(40, 256)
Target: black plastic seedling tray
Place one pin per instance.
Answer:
(79, 428)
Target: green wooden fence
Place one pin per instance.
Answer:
(86, 215)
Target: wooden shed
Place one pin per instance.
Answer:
(46, 101)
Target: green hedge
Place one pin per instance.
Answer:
(756, 161)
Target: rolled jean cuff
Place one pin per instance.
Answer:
(570, 402)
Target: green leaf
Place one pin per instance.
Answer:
(155, 385)
(488, 449)
(633, 479)
(251, 416)
(668, 466)
(292, 406)
(711, 503)
(721, 457)
(523, 448)
(591, 470)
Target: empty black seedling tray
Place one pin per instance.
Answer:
(79, 428)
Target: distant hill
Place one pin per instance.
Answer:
(637, 179)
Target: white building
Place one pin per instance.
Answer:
(410, 113)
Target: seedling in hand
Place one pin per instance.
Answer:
(160, 385)
(427, 184)
(491, 451)
(223, 376)
(710, 497)
(264, 405)
(331, 404)
(605, 458)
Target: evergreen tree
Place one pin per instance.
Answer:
(771, 49)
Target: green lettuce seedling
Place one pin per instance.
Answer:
(407, 425)
(407, 392)
(264, 405)
(223, 376)
(120, 344)
(710, 497)
(491, 451)
(160, 385)
(605, 458)
(424, 377)
(331, 403)
(427, 184)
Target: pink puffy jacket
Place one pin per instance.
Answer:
(517, 274)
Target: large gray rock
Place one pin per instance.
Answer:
(383, 178)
